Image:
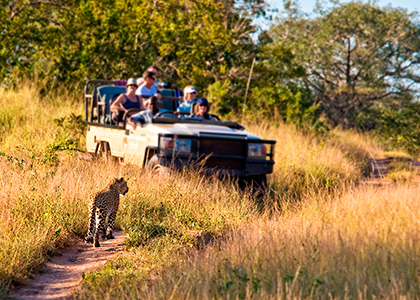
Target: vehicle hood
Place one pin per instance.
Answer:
(196, 129)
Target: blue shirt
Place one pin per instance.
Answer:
(145, 115)
(185, 106)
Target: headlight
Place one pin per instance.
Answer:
(257, 151)
(167, 143)
(181, 146)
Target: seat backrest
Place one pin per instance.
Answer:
(95, 110)
(170, 105)
(106, 93)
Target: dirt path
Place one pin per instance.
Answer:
(379, 170)
(64, 272)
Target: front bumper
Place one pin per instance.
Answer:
(220, 155)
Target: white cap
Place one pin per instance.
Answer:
(190, 90)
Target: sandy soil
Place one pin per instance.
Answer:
(64, 272)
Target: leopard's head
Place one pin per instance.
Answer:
(121, 186)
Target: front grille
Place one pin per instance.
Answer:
(223, 163)
(222, 147)
(234, 152)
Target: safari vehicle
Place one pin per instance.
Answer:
(174, 142)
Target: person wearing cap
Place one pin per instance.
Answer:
(203, 110)
(189, 97)
(126, 101)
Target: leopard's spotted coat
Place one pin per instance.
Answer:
(105, 204)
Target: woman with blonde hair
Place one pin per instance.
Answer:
(189, 97)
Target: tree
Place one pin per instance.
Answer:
(356, 56)
(193, 42)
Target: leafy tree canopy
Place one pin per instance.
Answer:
(68, 41)
(354, 57)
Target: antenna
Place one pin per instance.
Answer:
(246, 93)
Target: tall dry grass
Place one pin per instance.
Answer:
(363, 244)
(45, 189)
(26, 118)
(311, 163)
(44, 192)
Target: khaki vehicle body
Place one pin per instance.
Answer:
(215, 147)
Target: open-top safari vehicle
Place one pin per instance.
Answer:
(174, 141)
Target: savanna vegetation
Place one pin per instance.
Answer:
(353, 65)
(334, 89)
(320, 232)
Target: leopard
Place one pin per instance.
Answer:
(105, 204)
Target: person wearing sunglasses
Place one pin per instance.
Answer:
(153, 69)
(203, 110)
(126, 101)
(148, 88)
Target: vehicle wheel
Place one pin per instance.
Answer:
(155, 168)
(121, 161)
(103, 151)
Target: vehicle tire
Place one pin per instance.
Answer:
(103, 151)
(155, 168)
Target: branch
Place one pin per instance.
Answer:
(348, 61)
(323, 78)
(391, 93)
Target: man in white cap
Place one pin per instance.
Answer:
(189, 97)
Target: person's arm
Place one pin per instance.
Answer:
(117, 105)
(141, 101)
(157, 94)
(132, 123)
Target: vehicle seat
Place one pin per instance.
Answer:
(96, 109)
(106, 94)
(169, 105)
